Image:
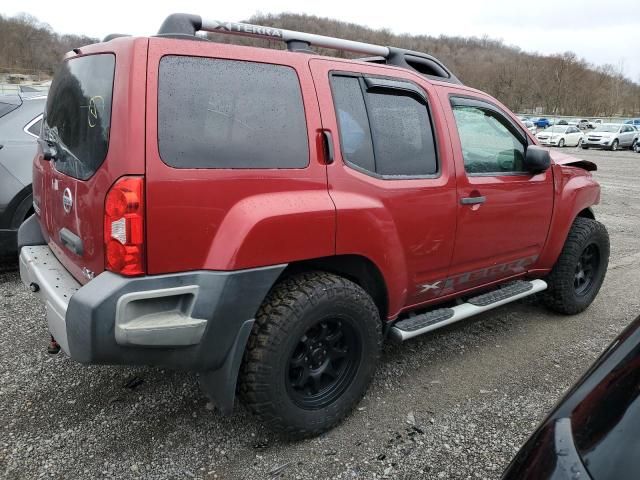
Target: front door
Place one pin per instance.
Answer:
(503, 211)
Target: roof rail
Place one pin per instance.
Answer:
(183, 24)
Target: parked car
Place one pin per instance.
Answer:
(635, 122)
(20, 121)
(542, 122)
(530, 126)
(584, 124)
(611, 136)
(591, 433)
(560, 136)
(259, 232)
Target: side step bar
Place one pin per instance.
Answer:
(429, 321)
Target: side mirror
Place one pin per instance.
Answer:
(536, 159)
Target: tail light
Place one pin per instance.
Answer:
(124, 227)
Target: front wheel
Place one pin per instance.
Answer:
(614, 145)
(579, 272)
(312, 353)
(634, 145)
(561, 143)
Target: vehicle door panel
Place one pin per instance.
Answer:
(404, 225)
(504, 235)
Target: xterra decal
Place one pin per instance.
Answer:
(245, 28)
(450, 283)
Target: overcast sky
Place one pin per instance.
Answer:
(600, 31)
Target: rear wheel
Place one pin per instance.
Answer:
(579, 272)
(614, 145)
(312, 353)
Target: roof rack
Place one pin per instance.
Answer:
(183, 24)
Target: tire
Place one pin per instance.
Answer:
(561, 143)
(585, 147)
(299, 319)
(633, 145)
(614, 145)
(637, 147)
(579, 144)
(574, 280)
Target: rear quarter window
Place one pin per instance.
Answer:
(216, 113)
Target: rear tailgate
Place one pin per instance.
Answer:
(94, 122)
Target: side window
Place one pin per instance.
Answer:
(215, 113)
(355, 133)
(383, 131)
(34, 129)
(489, 141)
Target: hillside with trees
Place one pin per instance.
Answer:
(28, 46)
(561, 84)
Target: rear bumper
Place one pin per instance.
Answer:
(197, 321)
(186, 320)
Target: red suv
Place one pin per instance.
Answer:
(267, 217)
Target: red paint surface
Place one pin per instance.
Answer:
(415, 231)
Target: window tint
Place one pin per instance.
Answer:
(488, 142)
(215, 113)
(35, 128)
(355, 133)
(402, 135)
(384, 131)
(77, 117)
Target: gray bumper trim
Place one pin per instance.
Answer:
(41, 270)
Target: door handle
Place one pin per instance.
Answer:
(327, 145)
(472, 200)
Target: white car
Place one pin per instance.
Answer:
(561, 136)
(530, 126)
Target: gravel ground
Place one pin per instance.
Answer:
(455, 404)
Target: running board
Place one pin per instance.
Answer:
(441, 317)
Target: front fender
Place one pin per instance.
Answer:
(575, 191)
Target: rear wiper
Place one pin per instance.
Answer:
(49, 150)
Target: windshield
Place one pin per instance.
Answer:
(607, 128)
(78, 114)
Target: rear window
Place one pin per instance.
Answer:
(215, 113)
(78, 114)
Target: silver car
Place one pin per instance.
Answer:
(611, 136)
(20, 121)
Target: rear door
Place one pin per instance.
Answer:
(392, 180)
(235, 176)
(503, 212)
(627, 136)
(92, 123)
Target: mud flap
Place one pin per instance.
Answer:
(220, 385)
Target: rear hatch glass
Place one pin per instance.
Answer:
(78, 114)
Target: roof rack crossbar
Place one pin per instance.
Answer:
(181, 24)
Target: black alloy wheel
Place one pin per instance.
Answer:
(323, 363)
(587, 269)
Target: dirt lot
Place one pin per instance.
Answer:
(476, 390)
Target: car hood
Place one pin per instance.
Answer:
(571, 161)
